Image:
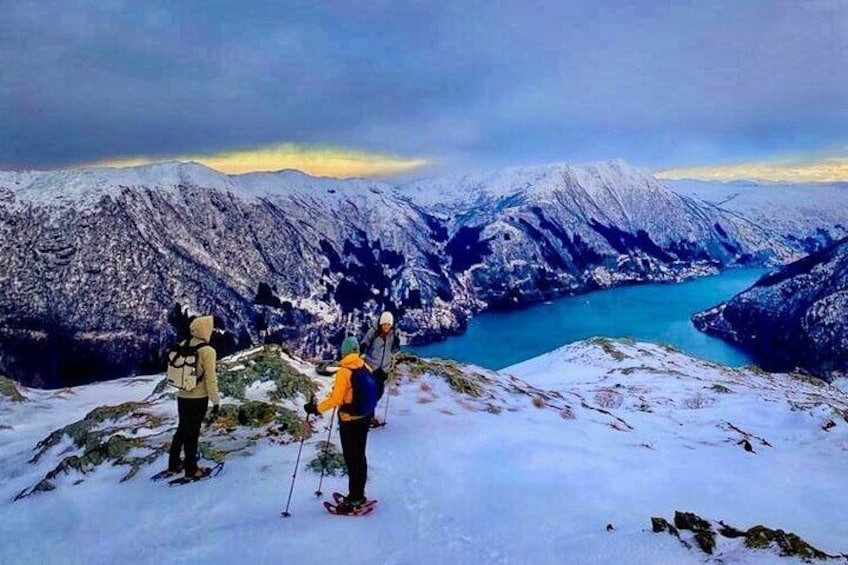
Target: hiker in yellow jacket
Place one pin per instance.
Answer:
(192, 404)
(353, 428)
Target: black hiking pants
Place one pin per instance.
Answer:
(380, 377)
(354, 435)
(191, 412)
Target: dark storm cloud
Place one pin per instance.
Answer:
(490, 82)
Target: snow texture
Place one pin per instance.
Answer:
(561, 459)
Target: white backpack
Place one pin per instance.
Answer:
(182, 371)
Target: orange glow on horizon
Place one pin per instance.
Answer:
(831, 169)
(316, 161)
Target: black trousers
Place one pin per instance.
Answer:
(191, 412)
(354, 435)
(380, 377)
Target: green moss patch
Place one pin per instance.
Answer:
(329, 460)
(465, 382)
(9, 389)
(265, 365)
(609, 347)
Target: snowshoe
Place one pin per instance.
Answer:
(208, 473)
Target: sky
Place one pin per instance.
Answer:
(678, 87)
(557, 448)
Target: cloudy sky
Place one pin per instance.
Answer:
(393, 86)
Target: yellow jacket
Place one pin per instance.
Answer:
(201, 330)
(342, 392)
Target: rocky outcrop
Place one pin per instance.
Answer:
(793, 317)
(759, 537)
(134, 435)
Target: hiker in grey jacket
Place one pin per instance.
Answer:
(380, 345)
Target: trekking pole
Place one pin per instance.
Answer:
(386, 408)
(286, 513)
(326, 454)
(388, 396)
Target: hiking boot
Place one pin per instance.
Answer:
(176, 469)
(375, 423)
(202, 472)
(357, 502)
(344, 507)
(349, 506)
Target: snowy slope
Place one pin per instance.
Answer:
(788, 208)
(528, 465)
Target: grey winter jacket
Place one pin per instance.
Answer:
(379, 350)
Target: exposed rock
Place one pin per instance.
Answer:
(746, 445)
(704, 535)
(690, 521)
(662, 525)
(757, 537)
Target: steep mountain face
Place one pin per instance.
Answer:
(96, 280)
(794, 317)
(798, 211)
(100, 265)
(562, 227)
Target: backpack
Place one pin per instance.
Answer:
(364, 393)
(182, 371)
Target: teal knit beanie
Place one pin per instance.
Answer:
(350, 345)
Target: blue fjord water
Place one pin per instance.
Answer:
(647, 312)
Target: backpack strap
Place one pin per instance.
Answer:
(347, 407)
(197, 349)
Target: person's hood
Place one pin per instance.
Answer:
(352, 361)
(201, 327)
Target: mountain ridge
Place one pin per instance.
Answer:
(288, 258)
(793, 317)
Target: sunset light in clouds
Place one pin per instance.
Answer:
(833, 169)
(724, 88)
(315, 161)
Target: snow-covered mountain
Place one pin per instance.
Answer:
(100, 264)
(795, 210)
(794, 317)
(571, 457)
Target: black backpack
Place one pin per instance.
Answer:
(364, 393)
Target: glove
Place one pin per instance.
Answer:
(311, 408)
(213, 415)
